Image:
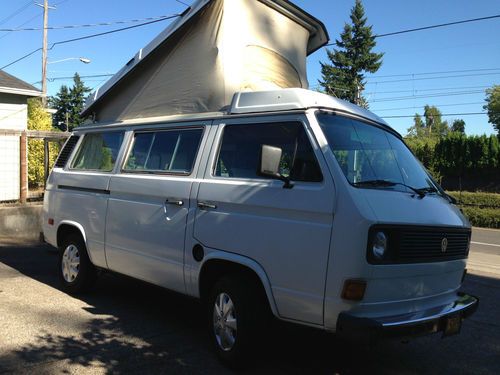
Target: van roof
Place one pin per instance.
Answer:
(263, 102)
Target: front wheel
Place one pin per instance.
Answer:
(236, 312)
(76, 271)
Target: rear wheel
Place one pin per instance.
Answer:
(76, 271)
(237, 311)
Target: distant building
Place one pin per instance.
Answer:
(14, 95)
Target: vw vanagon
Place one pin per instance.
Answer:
(290, 203)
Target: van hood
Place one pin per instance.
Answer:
(404, 208)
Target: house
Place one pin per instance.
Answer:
(14, 95)
(214, 49)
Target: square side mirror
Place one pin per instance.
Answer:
(270, 160)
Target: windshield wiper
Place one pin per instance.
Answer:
(420, 191)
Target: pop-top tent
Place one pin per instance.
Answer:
(216, 48)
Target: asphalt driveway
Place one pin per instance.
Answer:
(126, 326)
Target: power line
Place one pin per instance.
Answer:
(71, 77)
(15, 13)
(430, 73)
(438, 25)
(431, 27)
(443, 114)
(472, 92)
(431, 78)
(415, 107)
(423, 90)
(88, 37)
(24, 23)
(87, 25)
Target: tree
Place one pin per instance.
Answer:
(458, 126)
(38, 119)
(69, 103)
(434, 124)
(493, 106)
(418, 128)
(344, 76)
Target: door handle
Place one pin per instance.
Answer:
(206, 206)
(174, 201)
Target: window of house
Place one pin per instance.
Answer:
(239, 155)
(98, 151)
(164, 151)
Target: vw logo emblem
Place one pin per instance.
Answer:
(444, 244)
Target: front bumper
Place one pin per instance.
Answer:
(446, 319)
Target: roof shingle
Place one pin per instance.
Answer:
(9, 81)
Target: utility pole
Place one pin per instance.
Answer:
(44, 51)
(46, 8)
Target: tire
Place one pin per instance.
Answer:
(237, 310)
(76, 271)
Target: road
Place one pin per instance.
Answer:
(126, 326)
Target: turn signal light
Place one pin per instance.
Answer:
(354, 290)
(51, 221)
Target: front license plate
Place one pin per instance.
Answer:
(452, 325)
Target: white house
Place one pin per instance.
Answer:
(14, 95)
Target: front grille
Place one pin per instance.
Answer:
(427, 245)
(415, 244)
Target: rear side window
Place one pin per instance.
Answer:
(239, 155)
(163, 151)
(98, 151)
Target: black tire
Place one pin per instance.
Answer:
(81, 277)
(252, 315)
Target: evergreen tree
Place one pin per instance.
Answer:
(344, 75)
(69, 103)
(493, 107)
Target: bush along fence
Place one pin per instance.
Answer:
(482, 209)
(461, 162)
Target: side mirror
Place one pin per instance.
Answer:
(451, 199)
(270, 158)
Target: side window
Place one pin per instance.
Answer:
(239, 154)
(164, 151)
(98, 151)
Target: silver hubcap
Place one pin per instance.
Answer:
(70, 263)
(225, 324)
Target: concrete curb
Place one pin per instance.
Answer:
(21, 221)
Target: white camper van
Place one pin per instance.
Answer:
(292, 202)
(196, 176)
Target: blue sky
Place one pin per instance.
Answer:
(470, 53)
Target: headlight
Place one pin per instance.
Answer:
(379, 245)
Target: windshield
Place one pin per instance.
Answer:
(371, 157)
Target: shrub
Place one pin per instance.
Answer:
(38, 119)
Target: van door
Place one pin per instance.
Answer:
(149, 203)
(286, 231)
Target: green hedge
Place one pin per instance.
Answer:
(482, 200)
(483, 217)
(482, 209)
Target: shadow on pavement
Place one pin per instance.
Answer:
(139, 328)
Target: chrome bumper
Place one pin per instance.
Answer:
(446, 319)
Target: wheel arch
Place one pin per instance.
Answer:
(66, 227)
(217, 264)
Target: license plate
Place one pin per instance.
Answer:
(452, 325)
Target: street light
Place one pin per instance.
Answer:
(82, 59)
(44, 73)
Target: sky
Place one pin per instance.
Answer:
(447, 67)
